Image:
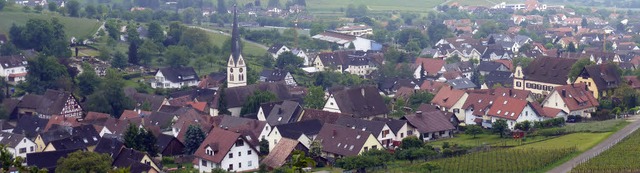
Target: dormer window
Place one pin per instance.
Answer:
(239, 143)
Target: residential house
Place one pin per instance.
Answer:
(84, 136)
(355, 30)
(284, 113)
(277, 49)
(252, 129)
(450, 100)
(398, 127)
(136, 161)
(212, 81)
(462, 84)
(378, 129)
(277, 75)
(575, 99)
(169, 145)
(45, 160)
(53, 102)
(17, 144)
(542, 75)
(146, 101)
(321, 115)
(110, 146)
(13, 68)
(348, 61)
(486, 67)
(513, 111)
(600, 79)
(345, 41)
(281, 154)
(429, 125)
(498, 78)
(432, 68)
(632, 81)
(360, 102)
(30, 126)
(175, 77)
(340, 141)
(303, 132)
(236, 96)
(226, 150)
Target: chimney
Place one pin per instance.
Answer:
(510, 93)
(564, 93)
(335, 133)
(418, 113)
(362, 91)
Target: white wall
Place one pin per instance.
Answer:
(331, 105)
(27, 144)
(244, 158)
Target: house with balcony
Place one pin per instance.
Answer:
(175, 77)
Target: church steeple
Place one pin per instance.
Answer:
(236, 67)
(235, 36)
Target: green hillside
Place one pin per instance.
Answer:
(74, 27)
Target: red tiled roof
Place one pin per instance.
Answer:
(551, 112)
(198, 105)
(576, 96)
(447, 97)
(278, 156)
(128, 114)
(432, 86)
(479, 102)
(96, 116)
(426, 122)
(61, 120)
(510, 92)
(220, 141)
(507, 108)
(430, 65)
(632, 81)
(507, 63)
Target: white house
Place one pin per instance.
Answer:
(513, 111)
(226, 150)
(175, 77)
(13, 68)
(345, 41)
(278, 49)
(277, 75)
(575, 99)
(303, 132)
(378, 129)
(17, 144)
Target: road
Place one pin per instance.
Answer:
(601, 147)
(227, 34)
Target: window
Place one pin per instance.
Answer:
(239, 165)
(239, 143)
(402, 135)
(374, 147)
(31, 149)
(366, 148)
(230, 155)
(385, 133)
(239, 153)
(23, 150)
(249, 163)
(204, 163)
(249, 152)
(230, 166)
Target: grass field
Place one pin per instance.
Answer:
(623, 157)
(485, 139)
(582, 141)
(73, 27)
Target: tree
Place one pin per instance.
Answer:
(46, 37)
(88, 81)
(522, 61)
(264, 147)
(38, 8)
(140, 139)
(90, 11)
(2, 4)
(196, 40)
(192, 139)
(112, 29)
(109, 97)
(315, 98)
(368, 159)
(73, 8)
(84, 161)
(253, 102)
(9, 49)
(571, 47)
(44, 73)
(52, 6)
(119, 60)
(287, 59)
(453, 59)
(222, 7)
(584, 23)
(577, 67)
(411, 142)
(155, 32)
(316, 28)
(500, 126)
(473, 130)
(274, 4)
(419, 98)
(315, 149)
(524, 126)
(299, 161)
(412, 154)
(437, 31)
(177, 56)
(147, 51)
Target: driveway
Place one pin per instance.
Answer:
(601, 147)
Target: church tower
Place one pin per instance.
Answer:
(236, 67)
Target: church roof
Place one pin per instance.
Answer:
(235, 37)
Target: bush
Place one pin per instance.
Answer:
(131, 76)
(574, 118)
(552, 132)
(556, 122)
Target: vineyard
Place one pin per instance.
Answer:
(501, 160)
(622, 157)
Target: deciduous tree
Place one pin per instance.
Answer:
(252, 104)
(500, 126)
(84, 161)
(473, 130)
(192, 139)
(314, 98)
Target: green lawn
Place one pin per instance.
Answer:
(582, 141)
(248, 50)
(597, 126)
(74, 27)
(485, 139)
(623, 157)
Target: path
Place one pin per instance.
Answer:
(227, 34)
(601, 147)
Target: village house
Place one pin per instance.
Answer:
(281, 153)
(340, 141)
(355, 30)
(18, 145)
(429, 126)
(303, 132)
(277, 75)
(135, 160)
(348, 61)
(226, 150)
(450, 100)
(235, 97)
(13, 68)
(175, 77)
(212, 81)
(360, 102)
(378, 129)
(542, 75)
(575, 99)
(513, 111)
(600, 79)
(432, 68)
(344, 41)
(52, 102)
